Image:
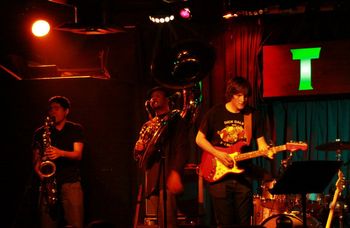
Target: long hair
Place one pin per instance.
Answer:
(237, 85)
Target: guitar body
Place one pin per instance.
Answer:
(213, 170)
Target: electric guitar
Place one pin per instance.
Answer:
(340, 187)
(213, 170)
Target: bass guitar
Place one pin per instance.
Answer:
(213, 170)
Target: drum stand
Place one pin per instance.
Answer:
(302, 177)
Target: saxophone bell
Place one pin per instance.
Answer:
(47, 168)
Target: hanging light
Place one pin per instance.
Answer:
(161, 19)
(40, 28)
(185, 13)
(228, 11)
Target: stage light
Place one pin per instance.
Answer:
(227, 10)
(185, 13)
(162, 12)
(229, 15)
(161, 19)
(40, 28)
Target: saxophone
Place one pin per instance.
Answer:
(47, 168)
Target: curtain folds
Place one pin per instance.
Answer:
(237, 50)
(314, 122)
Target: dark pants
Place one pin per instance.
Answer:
(71, 205)
(232, 202)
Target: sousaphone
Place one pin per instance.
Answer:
(180, 67)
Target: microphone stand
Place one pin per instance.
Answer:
(162, 169)
(156, 189)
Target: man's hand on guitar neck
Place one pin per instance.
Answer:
(270, 153)
(263, 146)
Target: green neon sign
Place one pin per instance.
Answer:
(305, 55)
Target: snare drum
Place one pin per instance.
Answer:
(261, 212)
(274, 202)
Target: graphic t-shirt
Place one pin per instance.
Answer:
(223, 128)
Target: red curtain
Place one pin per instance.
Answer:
(237, 54)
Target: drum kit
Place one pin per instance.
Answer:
(270, 210)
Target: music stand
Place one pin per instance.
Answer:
(302, 177)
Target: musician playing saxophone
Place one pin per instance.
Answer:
(65, 151)
(173, 146)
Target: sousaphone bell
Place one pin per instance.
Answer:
(183, 65)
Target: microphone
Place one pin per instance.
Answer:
(174, 96)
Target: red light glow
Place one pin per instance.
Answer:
(40, 28)
(185, 13)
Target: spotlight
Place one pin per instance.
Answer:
(161, 19)
(229, 15)
(229, 11)
(185, 13)
(40, 28)
(162, 12)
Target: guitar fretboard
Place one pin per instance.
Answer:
(258, 153)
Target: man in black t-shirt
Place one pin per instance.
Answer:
(57, 152)
(228, 128)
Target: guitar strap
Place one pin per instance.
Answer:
(248, 127)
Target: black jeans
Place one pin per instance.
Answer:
(232, 202)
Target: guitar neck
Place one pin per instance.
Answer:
(335, 198)
(331, 210)
(258, 153)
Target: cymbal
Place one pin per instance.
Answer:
(337, 145)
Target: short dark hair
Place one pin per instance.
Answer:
(63, 101)
(158, 88)
(237, 85)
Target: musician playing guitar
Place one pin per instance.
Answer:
(228, 128)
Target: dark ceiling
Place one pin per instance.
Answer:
(129, 14)
(134, 12)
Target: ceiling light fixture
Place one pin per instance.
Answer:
(161, 19)
(185, 13)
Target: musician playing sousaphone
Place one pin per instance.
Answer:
(230, 126)
(162, 151)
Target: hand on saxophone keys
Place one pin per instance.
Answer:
(53, 153)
